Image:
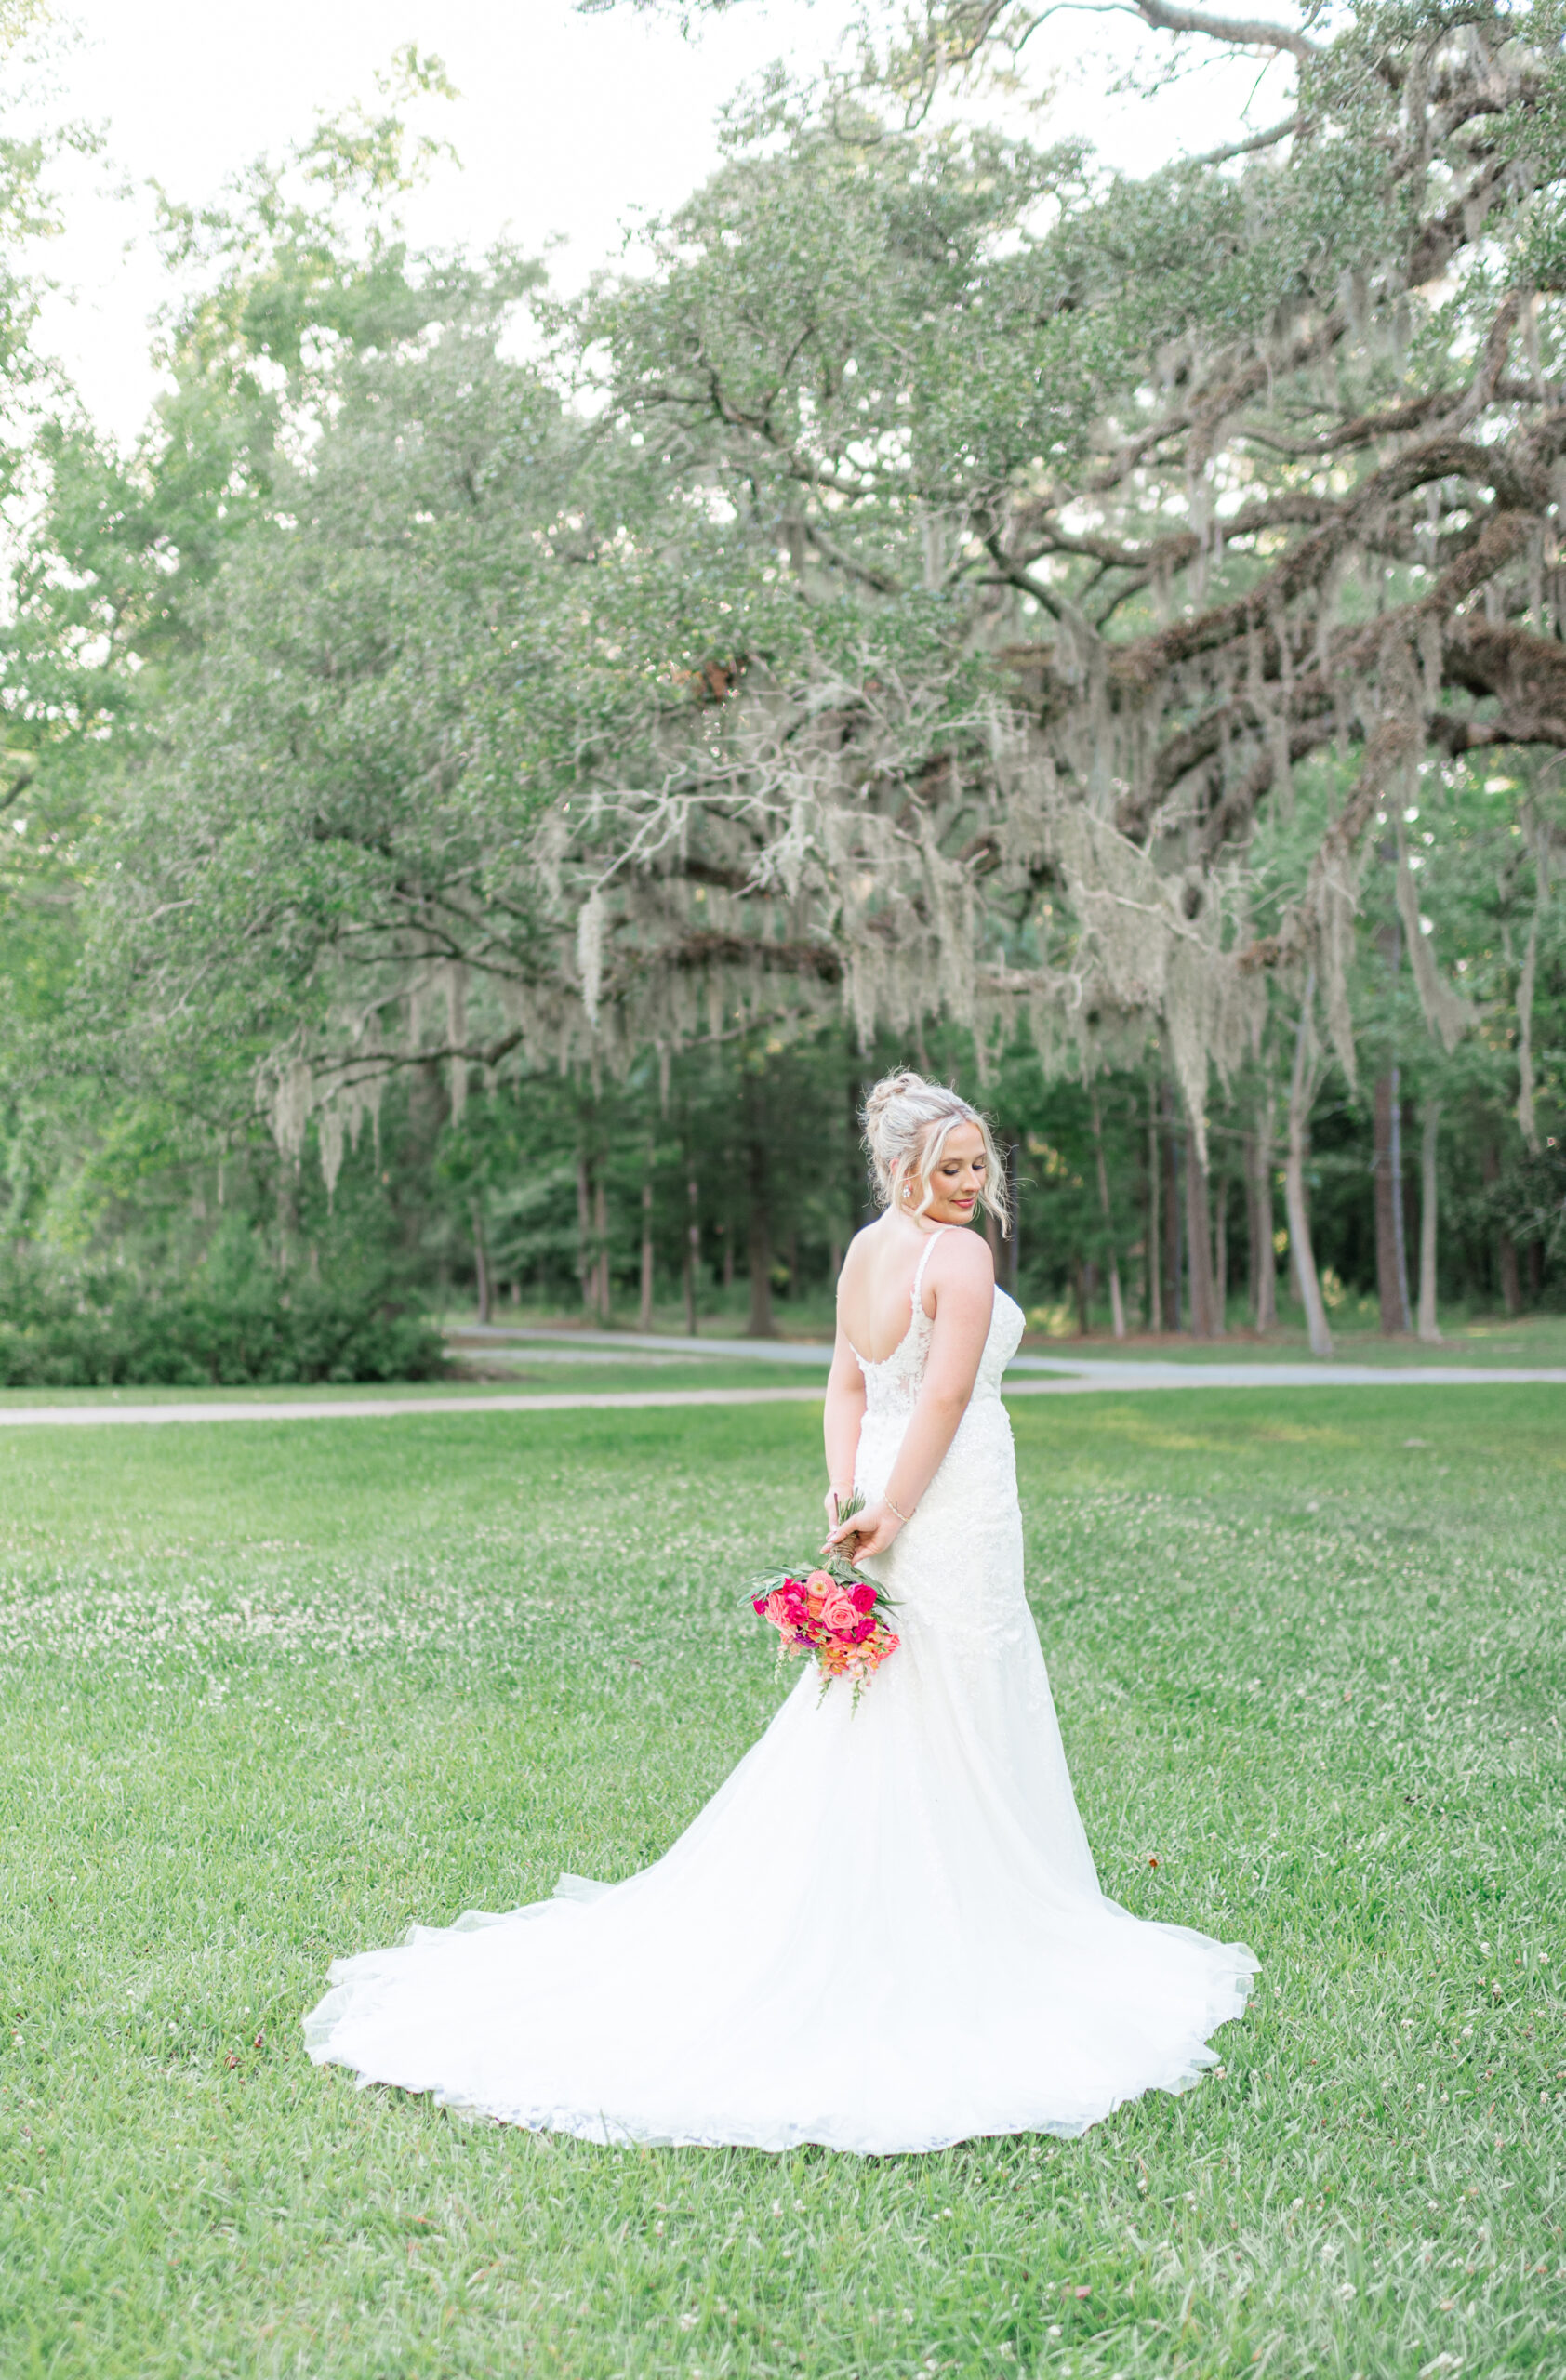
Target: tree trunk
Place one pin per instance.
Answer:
(1220, 1255)
(601, 1256)
(1199, 1245)
(287, 1214)
(1384, 1172)
(1511, 1282)
(586, 1270)
(1505, 1250)
(692, 1252)
(1428, 1330)
(1014, 1186)
(759, 1234)
(1302, 1091)
(644, 1312)
(1084, 1296)
(1116, 1303)
(1154, 1241)
(862, 1207)
(1258, 1202)
(1408, 1205)
(481, 1263)
(1171, 1217)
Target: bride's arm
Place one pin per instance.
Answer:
(964, 1301)
(846, 1412)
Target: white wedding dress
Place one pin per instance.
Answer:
(884, 1933)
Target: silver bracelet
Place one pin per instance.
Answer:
(899, 1510)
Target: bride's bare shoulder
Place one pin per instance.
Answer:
(962, 1261)
(859, 1247)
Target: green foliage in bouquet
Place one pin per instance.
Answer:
(832, 1561)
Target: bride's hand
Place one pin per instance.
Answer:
(874, 1528)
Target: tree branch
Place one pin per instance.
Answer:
(1242, 32)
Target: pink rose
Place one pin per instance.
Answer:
(862, 1598)
(839, 1615)
(776, 1608)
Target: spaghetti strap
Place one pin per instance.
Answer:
(919, 1276)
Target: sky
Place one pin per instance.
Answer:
(566, 125)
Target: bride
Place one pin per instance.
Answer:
(885, 1932)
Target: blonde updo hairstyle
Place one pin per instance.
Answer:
(907, 1123)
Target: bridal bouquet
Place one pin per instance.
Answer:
(831, 1612)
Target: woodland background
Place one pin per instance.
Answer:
(489, 780)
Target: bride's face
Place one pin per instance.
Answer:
(957, 1177)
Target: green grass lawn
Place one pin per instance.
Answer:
(270, 1692)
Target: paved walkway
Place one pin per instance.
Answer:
(1087, 1379)
(528, 1341)
(1065, 1372)
(1092, 1372)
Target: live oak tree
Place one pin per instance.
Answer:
(951, 581)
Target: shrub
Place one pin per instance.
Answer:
(85, 1331)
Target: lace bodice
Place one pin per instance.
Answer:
(955, 1569)
(892, 1386)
